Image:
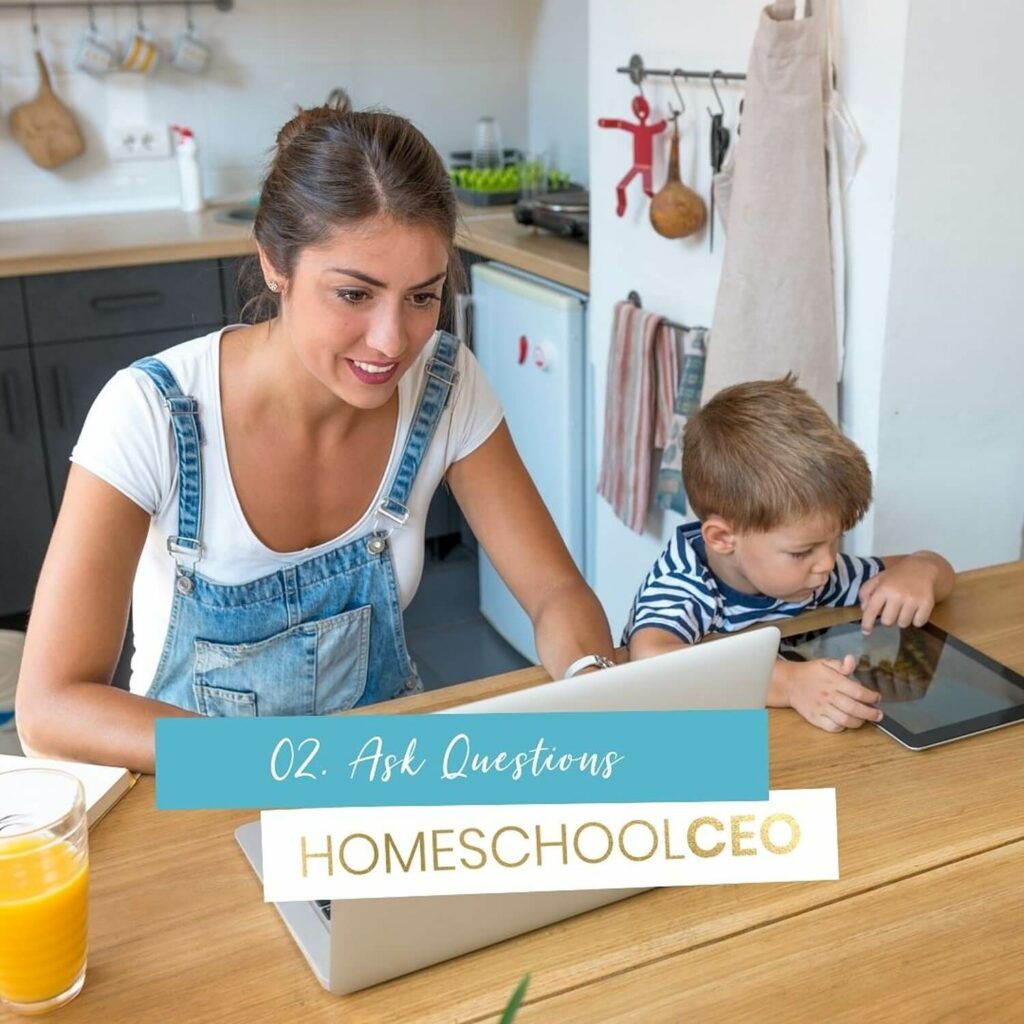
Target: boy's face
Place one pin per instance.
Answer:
(788, 563)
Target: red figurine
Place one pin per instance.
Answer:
(643, 148)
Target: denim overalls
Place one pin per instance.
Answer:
(320, 636)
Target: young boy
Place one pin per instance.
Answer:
(774, 485)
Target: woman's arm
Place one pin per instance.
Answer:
(509, 519)
(66, 707)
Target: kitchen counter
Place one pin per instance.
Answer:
(168, 236)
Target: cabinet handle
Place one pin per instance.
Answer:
(11, 406)
(117, 303)
(62, 393)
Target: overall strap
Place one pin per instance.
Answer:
(440, 380)
(185, 548)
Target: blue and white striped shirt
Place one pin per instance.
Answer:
(683, 596)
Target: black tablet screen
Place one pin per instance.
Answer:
(927, 678)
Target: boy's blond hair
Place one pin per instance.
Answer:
(764, 453)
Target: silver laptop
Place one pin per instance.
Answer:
(352, 944)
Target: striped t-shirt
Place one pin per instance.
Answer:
(682, 595)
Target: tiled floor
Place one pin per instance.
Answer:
(448, 638)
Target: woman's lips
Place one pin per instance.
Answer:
(381, 375)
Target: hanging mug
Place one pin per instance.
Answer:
(95, 55)
(140, 54)
(190, 53)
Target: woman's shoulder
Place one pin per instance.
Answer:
(193, 363)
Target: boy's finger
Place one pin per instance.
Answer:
(891, 611)
(923, 614)
(907, 613)
(868, 587)
(856, 710)
(851, 688)
(871, 610)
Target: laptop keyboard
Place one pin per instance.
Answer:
(324, 906)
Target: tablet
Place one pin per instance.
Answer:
(935, 688)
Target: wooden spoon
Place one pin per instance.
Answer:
(676, 211)
(46, 129)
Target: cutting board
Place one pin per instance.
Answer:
(44, 127)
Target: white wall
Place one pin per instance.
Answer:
(951, 427)
(442, 63)
(932, 388)
(556, 75)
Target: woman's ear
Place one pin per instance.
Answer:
(718, 535)
(274, 280)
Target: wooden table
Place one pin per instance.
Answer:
(925, 922)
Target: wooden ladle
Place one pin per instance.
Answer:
(676, 211)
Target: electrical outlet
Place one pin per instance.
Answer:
(139, 141)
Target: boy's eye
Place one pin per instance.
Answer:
(800, 554)
(352, 295)
(423, 299)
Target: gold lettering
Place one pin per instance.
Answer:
(494, 846)
(608, 835)
(738, 835)
(441, 849)
(691, 837)
(344, 863)
(669, 855)
(306, 855)
(475, 849)
(794, 833)
(391, 847)
(563, 843)
(654, 840)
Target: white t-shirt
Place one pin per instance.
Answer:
(127, 441)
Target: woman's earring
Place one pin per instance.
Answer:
(273, 286)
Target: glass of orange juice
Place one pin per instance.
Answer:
(44, 889)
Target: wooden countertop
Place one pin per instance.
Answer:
(923, 922)
(167, 236)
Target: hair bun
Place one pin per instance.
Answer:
(338, 105)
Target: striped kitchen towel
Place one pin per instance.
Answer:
(635, 412)
(692, 353)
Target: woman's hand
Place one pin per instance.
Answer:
(906, 591)
(823, 693)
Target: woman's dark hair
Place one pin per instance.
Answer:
(333, 166)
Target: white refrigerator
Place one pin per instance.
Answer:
(529, 337)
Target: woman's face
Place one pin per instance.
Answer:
(359, 309)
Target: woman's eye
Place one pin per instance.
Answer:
(352, 295)
(424, 299)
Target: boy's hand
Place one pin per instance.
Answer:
(823, 693)
(902, 595)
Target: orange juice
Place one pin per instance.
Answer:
(44, 890)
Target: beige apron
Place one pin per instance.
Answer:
(775, 310)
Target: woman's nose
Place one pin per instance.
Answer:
(386, 336)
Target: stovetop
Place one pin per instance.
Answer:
(563, 213)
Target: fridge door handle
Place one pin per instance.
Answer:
(524, 348)
(464, 318)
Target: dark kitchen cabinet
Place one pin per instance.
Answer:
(25, 513)
(71, 374)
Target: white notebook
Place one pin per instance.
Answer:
(103, 785)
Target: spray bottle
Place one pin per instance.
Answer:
(188, 169)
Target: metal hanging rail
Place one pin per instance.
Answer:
(634, 297)
(44, 5)
(637, 72)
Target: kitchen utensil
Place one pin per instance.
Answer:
(44, 127)
(719, 147)
(676, 211)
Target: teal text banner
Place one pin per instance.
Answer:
(461, 759)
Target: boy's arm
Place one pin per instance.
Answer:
(647, 642)
(906, 590)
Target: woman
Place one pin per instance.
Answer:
(259, 494)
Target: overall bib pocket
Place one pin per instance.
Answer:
(311, 669)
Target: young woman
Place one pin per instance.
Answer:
(259, 495)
